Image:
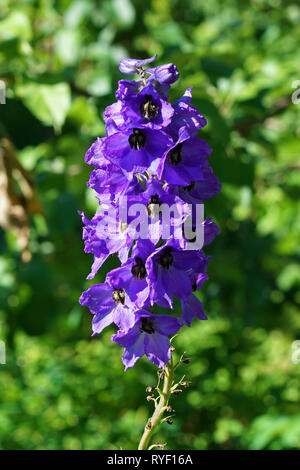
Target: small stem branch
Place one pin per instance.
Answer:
(164, 397)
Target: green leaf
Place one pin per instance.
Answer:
(124, 13)
(15, 25)
(49, 103)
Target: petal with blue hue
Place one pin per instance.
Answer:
(130, 66)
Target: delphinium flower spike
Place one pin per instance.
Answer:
(151, 172)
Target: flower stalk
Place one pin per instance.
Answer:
(162, 403)
(160, 408)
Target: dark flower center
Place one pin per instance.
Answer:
(154, 201)
(166, 258)
(137, 139)
(118, 296)
(147, 326)
(138, 270)
(148, 109)
(175, 155)
(189, 187)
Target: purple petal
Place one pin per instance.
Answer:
(143, 249)
(124, 317)
(133, 342)
(98, 299)
(191, 308)
(177, 283)
(157, 349)
(95, 155)
(166, 73)
(211, 230)
(133, 353)
(101, 321)
(167, 325)
(129, 66)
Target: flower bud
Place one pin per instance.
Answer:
(169, 421)
(185, 361)
(150, 397)
(150, 389)
(185, 384)
(149, 424)
(159, 445)
(166, 73)
(169, 409)
(130, 66)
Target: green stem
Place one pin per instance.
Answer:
(161, 407)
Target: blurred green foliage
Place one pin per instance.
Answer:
(60, 389)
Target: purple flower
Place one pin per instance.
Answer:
(93, 244)
(148, 335)
(191, 308)
(127, 88)
(136, 150)
(108, 305)
(183, 162)
(130, 66)
(112, 182)
(190, 236)
(211, 230)
(186, 116)
(201, 277)
(159, 204)
(114, 119)
(147, 109)
(95, 155)
(102, 237)
(196, 191)
(170, 273)
(132, 275)
(166, 73)
(151, 171)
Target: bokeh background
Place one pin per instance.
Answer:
(60, 389)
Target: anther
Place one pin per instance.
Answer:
(148, 109)
(118, 296)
